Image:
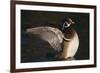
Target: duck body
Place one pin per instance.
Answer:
(66, 44)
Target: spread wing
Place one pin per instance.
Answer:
(49, 34)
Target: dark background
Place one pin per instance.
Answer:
(30, 19)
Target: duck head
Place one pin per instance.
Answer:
(68, 22)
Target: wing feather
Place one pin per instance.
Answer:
(52, 35)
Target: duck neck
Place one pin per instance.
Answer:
(65, 45)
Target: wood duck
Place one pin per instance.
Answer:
(65, 42)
